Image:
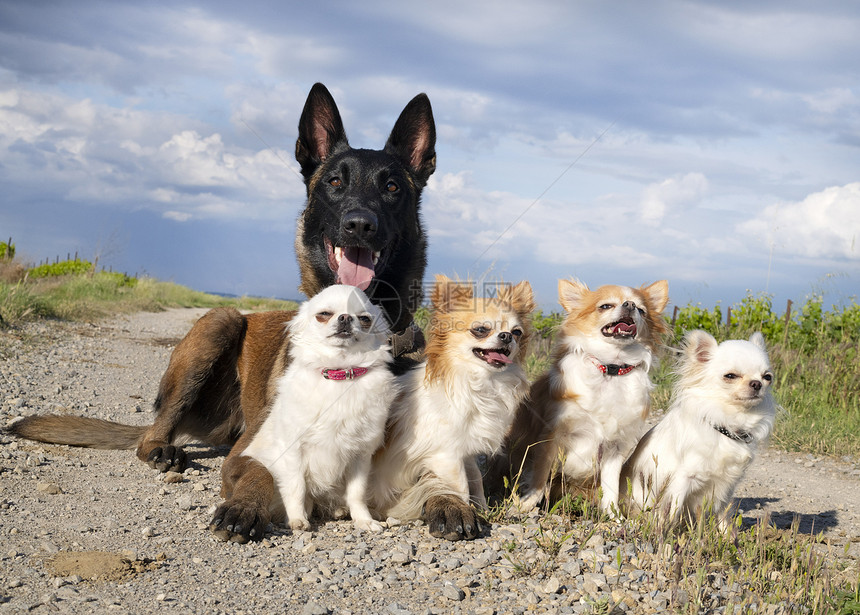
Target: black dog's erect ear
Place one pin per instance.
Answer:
(413, 138)
(320, 130)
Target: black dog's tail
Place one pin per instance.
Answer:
(78, 431)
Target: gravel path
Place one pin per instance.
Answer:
(86, 531)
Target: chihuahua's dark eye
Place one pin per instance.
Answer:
(391, 186)
(767, 377)
(641, 311)
(516, 332)
(365, 321)
(335, 182)
(480, 331)
(606, 306)
(324, 316)
(730, 376)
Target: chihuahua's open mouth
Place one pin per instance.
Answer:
(352, 265)
(623, 328)
(497, 357)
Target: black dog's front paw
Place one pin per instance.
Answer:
(239, 522)
(451, 518)
(168, 459)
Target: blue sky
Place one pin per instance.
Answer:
(716, 145)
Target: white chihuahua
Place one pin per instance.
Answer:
(330, 408)
(721, 412)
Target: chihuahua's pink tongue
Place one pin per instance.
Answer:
(356, 267)
(623, 327)
(496, 356)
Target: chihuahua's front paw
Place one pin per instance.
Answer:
(368, 525)
(299, 524)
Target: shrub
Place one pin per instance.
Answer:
(53, 270)
(7, 250)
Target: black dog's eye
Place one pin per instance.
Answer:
(391, 186)
(480, 331)
(324, 316)
(730, 376)
(335, 182)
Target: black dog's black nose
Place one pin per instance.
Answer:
(359, 224)
(505, 337)
(755, 385)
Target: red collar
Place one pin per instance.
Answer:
(613, 369)
(350, 373)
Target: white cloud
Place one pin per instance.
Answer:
(825, 224)
(179, 216)
(675, 192)
(831, 100)
(86, 152)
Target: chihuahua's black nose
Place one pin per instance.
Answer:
(359, 224)
(344, 323)
(755, 385)
(505, 337)
(629, 305)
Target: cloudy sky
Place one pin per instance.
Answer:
(716, 145)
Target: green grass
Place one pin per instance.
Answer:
(91, 296)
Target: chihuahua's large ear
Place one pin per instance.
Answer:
(758, 340)
(657, 294)
(699, 346)
(448, 294)
(571, 293)
(520, 297)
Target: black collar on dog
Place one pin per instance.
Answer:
(408, 340)
(738, 436)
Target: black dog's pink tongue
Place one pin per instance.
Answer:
(356, 267)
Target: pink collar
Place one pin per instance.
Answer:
(612, 369)
(350, 373)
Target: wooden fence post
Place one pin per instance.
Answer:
(787, 320)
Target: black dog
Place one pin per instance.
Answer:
(361, 226)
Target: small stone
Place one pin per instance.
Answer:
(552, 586)
(452, 592)
(49, 488)
(200, 487)
(312, 608)
(147, 532)
(172, 477)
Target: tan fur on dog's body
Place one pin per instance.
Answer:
(455, 405)
(579, 423)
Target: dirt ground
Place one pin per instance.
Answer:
(85, 514)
